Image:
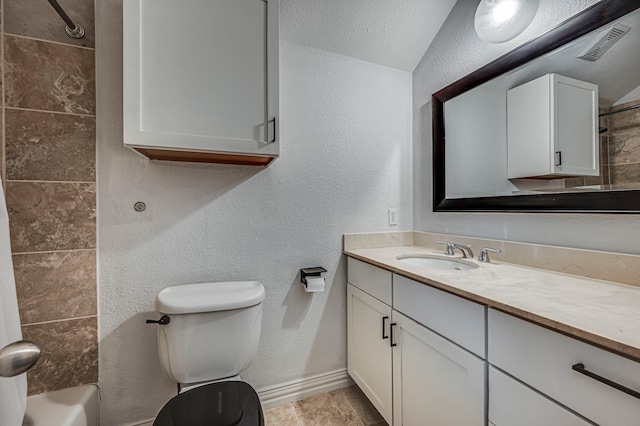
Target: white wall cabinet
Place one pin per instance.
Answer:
(552, 128)
(201, 80)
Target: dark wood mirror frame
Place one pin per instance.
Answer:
(623, 201)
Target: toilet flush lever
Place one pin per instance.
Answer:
(164, 320)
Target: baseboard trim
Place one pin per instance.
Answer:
(295, 390)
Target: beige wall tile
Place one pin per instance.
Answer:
(69, 354)
(624, 175)
(36, 18)
(51, 216)
(49, 76)
(382, 239)
(617, 267)
(624, 121)
(55, 286)
(624, 148)
(604, 149)
(2, 145)
(48, 146)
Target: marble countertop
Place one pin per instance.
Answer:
(604, 313)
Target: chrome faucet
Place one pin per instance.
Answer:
(466, 250)
(449, 250)
(484, 255)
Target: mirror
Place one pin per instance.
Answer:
(471, 125)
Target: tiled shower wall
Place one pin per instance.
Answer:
(48, 172)
(623, 146)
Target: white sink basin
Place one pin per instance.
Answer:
(436, 262)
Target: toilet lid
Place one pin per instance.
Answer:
(221, 404)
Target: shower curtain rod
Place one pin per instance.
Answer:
(604, 114)
(73, 30)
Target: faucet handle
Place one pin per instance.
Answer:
(484, 255)
(449, 250)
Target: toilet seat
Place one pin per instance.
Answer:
(232, 403)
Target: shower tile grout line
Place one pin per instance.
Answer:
(51, 181)
(59, 320)
(20, 253)
(46, 111)
(47, 41)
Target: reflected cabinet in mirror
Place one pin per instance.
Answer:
(553, 126)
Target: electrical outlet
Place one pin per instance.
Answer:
(393, 217)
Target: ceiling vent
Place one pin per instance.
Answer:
(609, 37)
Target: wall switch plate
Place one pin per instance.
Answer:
(393, 217)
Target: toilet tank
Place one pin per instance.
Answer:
(214, 329)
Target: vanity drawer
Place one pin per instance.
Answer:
(370, 279)
(457, 319)
(512, 403)
(543, 359)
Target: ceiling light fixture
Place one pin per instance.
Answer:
(498, 21)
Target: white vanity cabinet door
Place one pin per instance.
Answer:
(369, 350)
(512, 403)
(552, 128)
(201, 79)
(434, 381)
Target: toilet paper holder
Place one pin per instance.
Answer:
(316, 271)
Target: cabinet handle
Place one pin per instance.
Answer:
(580, 368)
(271, 140)
(383, 327)
(393, 324)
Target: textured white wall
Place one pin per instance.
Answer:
(393, 33)
(346, 158)
(455, 52)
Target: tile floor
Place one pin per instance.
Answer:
(342, 407)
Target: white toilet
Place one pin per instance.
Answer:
(207, 335)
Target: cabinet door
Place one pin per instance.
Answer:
(575, 126)
(369, 350)
(552, 128)
(512, 403)
(201, 76)
(435, 382)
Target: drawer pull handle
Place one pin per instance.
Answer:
(393, 324)
(582, 370)
(383, 327)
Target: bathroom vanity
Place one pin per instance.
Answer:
(499, 343)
